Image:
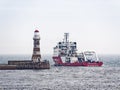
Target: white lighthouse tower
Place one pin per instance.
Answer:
(36, 56)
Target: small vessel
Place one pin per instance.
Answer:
(65, 54)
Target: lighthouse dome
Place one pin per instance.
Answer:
(36, 31)
(36, 35)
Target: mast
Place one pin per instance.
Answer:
(66, 37)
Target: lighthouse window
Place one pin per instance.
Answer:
(59, 46)
(37, 42)
(74, 42)
(59, 42)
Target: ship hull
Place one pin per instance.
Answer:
(58, 62)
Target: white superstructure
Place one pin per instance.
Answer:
(65, 48)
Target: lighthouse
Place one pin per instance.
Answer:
(36, 56)
(34, 63)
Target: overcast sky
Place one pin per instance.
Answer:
(93, 24)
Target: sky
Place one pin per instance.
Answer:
(93, 24)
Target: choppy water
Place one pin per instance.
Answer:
(106, 77)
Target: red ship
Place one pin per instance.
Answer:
(65, 54)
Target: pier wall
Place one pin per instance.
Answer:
(16, 62)
(26, 64)
(7, 67)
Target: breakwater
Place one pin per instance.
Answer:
(25, 64)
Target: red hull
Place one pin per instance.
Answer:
(58, 62)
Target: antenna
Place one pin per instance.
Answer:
(66, 37)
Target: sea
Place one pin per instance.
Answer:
(106, 77)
